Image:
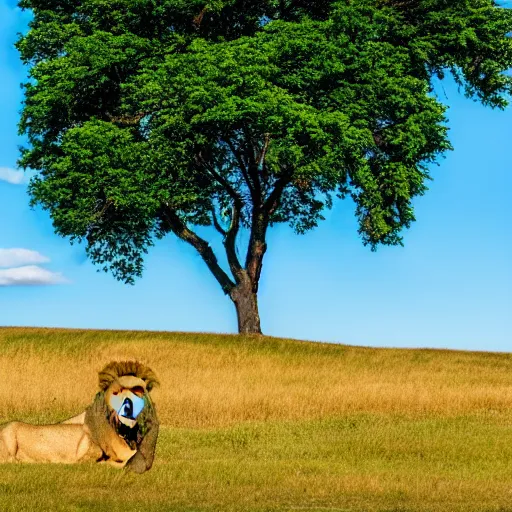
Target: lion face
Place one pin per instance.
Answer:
(126, 396)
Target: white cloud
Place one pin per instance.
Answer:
(12, 176)
(29, 275)
(19, 257)
(23, 269)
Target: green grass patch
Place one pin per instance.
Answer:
(357, 463)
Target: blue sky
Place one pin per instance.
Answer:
(450, 286)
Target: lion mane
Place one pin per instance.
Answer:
(99, 433)
(117, 369)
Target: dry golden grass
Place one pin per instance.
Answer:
(212, 381)
(264, 424)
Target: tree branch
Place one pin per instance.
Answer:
(262, 164)
(179, 228)
(216, 223)
(272, 201)
(261, 156)
(106, 206)
(253, 166)
(230, 243)
(127, 120)
(219, 178)
(243, 168)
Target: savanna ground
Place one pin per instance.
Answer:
(261, 424)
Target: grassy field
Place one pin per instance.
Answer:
(261, 424)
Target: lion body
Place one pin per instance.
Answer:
(64, 443)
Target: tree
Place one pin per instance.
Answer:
(150, 117)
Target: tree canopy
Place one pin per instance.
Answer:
(149, 117)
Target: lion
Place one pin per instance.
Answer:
(119, 428)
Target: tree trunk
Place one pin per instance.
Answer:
(246, 303)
